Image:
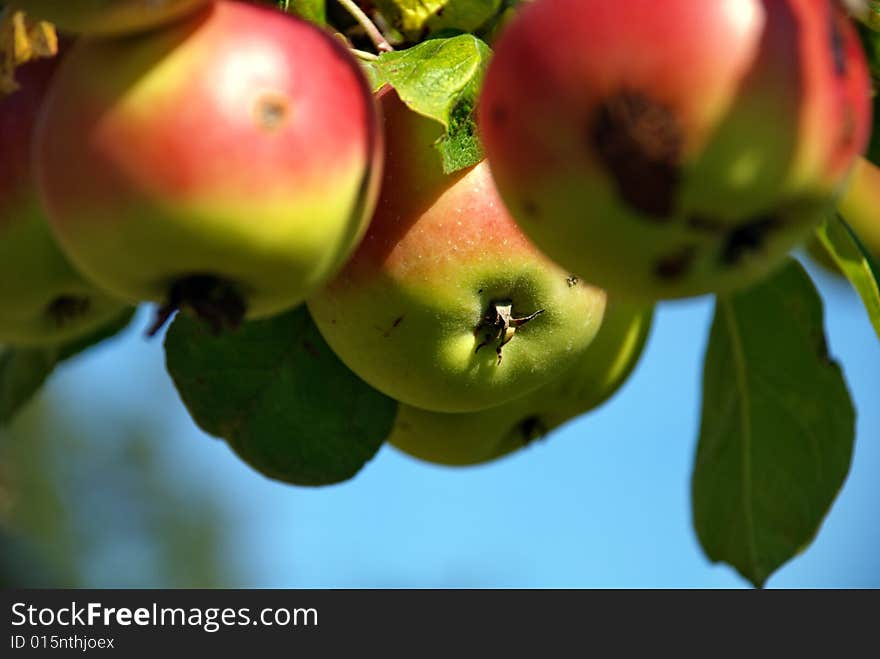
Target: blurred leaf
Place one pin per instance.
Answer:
(314, 11)
(441, 79)
(87, 499)
(871, 44)
(872, 15)
(855, 262)
(276, 392)
(24, 370)
(418, 18)
(492, 29)
(778, 427)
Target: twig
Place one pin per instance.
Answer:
(370, 28)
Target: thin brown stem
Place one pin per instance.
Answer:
(369, 26)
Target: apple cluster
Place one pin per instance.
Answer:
(229, 160)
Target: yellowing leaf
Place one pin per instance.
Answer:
(414, 17)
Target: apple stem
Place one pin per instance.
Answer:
(499, 325)
(214, 301)
(369, 26)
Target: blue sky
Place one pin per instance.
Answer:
(602, 503)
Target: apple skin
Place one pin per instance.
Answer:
(671, 149)
(43, 300)
(242, 146)
(108, 17)
(404, 311)
(478, 437)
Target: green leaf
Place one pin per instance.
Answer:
(871, 44)
(441, 79)
(374, 80)
(855, 262)
(24, 370)
(778, 427)
(279, 396)
(314, 11)
(418, 18)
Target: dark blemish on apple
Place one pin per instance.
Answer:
(641, 143)
(572, 281)
(747, 238)
(837, 43)
(66, 308)
(394, 326)
(531, 428)
(530, 208)
(677, 265)
(705, 224)
(271, 112)
(311, 349)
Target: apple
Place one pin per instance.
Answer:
(478, 437)
(669, 149)
(43, 300)
(108, 17)
(446, 305)
(227, 164)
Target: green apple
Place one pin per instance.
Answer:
(43, 300)
(108, 17)
(446, 305)
(477, 437)
(226, 164)
(670, 149)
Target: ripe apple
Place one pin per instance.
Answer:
(446, 305)
(227, 164)
(477, 437)
(669, 149)
(43, 300)
(108, 17)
